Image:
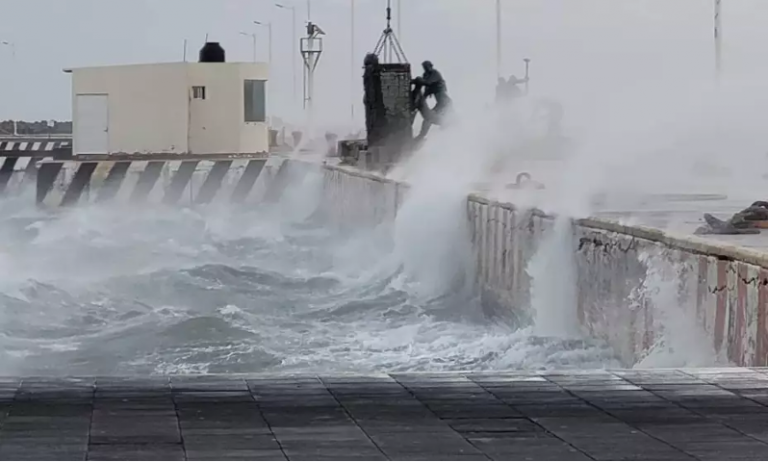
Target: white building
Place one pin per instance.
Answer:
(171, 108)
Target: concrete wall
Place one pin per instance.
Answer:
(151, 109)
(634, 284)
(158, 190)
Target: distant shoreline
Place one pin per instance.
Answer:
(25, 128)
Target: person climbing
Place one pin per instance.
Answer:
(513, 91)
(431, 83)
(419, 103)
(501, 91)
(434, 85)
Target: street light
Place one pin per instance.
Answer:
(268, 25)
(352, 58)
(294, 45)
(253, 36)
(10, 45)
(718, 39)
(498, 38)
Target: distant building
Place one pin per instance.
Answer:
(170, 108)
(35, 128)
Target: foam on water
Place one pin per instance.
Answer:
(114, 290)
(270, 289)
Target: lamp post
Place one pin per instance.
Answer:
(253, 36)
(498, 38)
(718, 38)
(268, 25)
(10, 45)
(293, 44)
(352, 58)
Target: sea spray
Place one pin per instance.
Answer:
(554, 293)
(155, 291)
(432, 241)
(679, 338)
(300, 198)
(431, 231)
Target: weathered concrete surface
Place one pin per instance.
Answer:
(600, 415)
(636, 285)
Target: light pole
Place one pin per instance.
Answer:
(268, 25)
(293, 44)
(352, 59)
(10, 45)
(718, 38)
(498, 38)
(253, 36)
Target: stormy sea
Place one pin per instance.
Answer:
(267, 288)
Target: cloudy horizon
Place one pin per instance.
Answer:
(575, 45)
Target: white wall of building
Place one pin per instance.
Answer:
(254, 136)
(146, 106)
(217, 124)
(152, 109)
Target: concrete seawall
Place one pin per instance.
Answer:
(640, 289)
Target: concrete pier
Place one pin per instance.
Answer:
(621, 415)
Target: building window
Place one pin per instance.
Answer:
(198, 92)
(255, 101)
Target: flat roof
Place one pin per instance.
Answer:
(69, 70)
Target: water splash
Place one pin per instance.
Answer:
(554, 291)
(681, 340)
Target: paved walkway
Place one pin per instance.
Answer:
(621, 415)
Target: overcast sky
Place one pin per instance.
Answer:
(589, 45)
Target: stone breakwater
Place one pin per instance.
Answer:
(638, 288)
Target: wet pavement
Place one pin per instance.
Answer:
(705, 414)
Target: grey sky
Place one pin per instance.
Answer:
(589, 45)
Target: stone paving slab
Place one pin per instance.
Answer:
(690, 414)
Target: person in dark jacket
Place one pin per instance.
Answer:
(501, 91)
(513, 91)
(434, 85)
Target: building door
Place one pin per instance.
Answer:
(92, 121)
